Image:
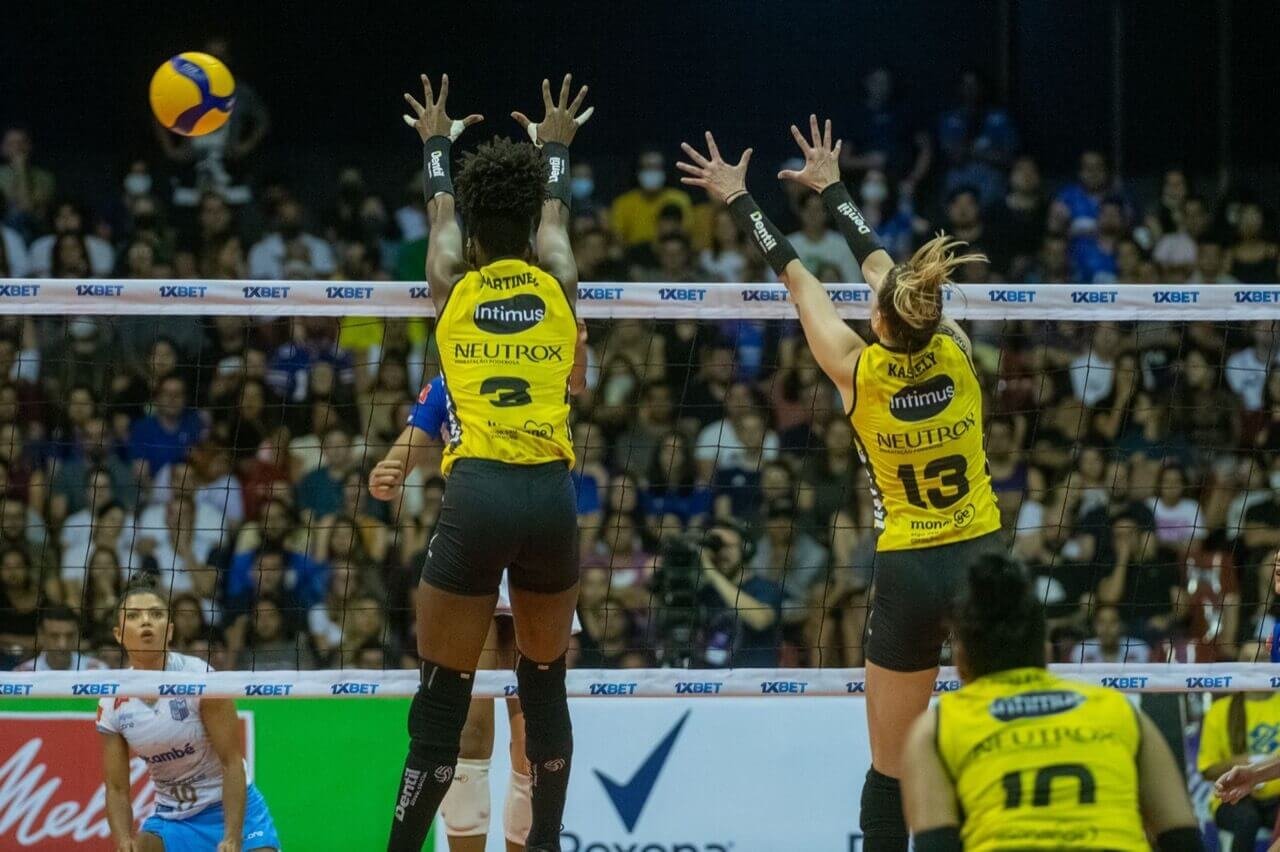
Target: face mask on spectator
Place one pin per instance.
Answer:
(651, 180)
(137, 184)
(1275, 479)
(582, 187)
(873, 191)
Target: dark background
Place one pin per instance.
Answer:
(332, 74)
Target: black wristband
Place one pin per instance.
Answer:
(1180, 840)
(556, 157)
(436, 178)
(751, 221)
(848, 218)
(946, 839)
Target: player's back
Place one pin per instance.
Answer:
(1041, 762)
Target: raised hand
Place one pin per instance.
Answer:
(821, 159)
(432, 120)
(386, 479)
(561, 121)
(720, 179)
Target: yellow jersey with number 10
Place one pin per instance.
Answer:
(1041, 762)
(506, 338)
(917, 424)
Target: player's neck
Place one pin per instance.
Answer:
(152, 661)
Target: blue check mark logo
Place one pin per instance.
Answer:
(629, 799)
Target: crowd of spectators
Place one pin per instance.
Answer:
(1137, 465)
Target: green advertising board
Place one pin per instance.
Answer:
(328, 768)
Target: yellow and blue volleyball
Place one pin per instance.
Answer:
(192, 94)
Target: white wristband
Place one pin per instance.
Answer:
(580, 120)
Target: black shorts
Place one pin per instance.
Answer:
(915, 591)
(496, 516)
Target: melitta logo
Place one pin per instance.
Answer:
(15, 689)
(109, 291)
(1257, 297)
(1133, 682)
(764, 295)
(1219, 682)
(95, 688)
(171, 754)
(946, 685)
(706, 687)
(348, 292)
(783, 687)
(267, 689)
(1026, 296)
(600, 294)
(266, 292)
(854, 215)
(920, 402)
(354, 688)
(507, 353)
(856, 687)
(181, 689)
(682, 294)
(847, 296)
(183, 291)
(19, 291)
(767, 241)
(1176, 297)
(419, 292)
(1094, 297)
(1032, 704)
(629, 798)
(612, 689)
(511, 315)
(435, 165)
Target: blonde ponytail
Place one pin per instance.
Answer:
(914, 297)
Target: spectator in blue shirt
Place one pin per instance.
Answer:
(1080, 202)
(289, 373)
(169, 433)
(320, 491)
(1093, 256)
(978, 142)
(742, 610)
(673, 499)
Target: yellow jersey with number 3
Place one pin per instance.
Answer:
(1042, 762)
(917, 424)
(506, 338)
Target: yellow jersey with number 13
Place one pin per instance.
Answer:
(506, 338)
(917, 424)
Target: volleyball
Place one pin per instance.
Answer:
(192, 94)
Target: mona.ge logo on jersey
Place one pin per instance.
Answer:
(511, 315)
(919, 402)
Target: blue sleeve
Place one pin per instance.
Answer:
(429, 411)
(1275, 642)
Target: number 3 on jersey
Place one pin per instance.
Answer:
(951, 474)
(506, 391)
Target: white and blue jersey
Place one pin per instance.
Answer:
(169, 736)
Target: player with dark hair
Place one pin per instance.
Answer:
(915, 404)
(1019, 758)
(506, 331)
(191, 747)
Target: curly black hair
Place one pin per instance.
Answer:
(500, 189)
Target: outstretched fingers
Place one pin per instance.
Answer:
(521, 119)
(693, 154)
(444, 90)
(577, 102)
(826, 136)
(418, 109)
(546, 95)
(564, 91)
(814, 133)
(427, 96)
(744, 159)
(711, 147)
(800, 140)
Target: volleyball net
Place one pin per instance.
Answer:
(218, 435)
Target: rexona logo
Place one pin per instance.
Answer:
(1094, 297)
(511, 315)
(630, 797)
(1032, 704)
(920, 402)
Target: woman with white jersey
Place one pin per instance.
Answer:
(466, 807)
(191, 747)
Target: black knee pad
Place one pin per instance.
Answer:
(439, 712)
(548, 732)
(883, 825)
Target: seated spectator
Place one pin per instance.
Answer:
(320, 491)
(634, 450)
(58, 644)
(722, 446)
(621, 545)
(179, 481)
(13, 251)
(314, 344)
(742, 610)
(1093, 372)
(590, 478)
(1202, 411)
(643, 260)
(634, 214)
(20, 601)
(96, 607)
(826, 480)
(1211, 264)
(724, 259)
(216, 487)
(790, 557)
(1109, 644)
(835, 629)
(673, 500)
(273, 646)
(190, 623)
(1212, 584)
(267, 256)
(295, 581)
(1179, 520)
(794, 391)
(1093, 256)
(26, 190)
(818, 244)
(1239, 729)
(365, 623)
(978, 141)
(1022, 216)
(607, 626)
(176, 555)
(367, 515)
(46, 255)
(1144, 583)
(326, 618)
(1247, 369)
(1080, 202)
(1252, 257)
(169, 434)
(704, 397)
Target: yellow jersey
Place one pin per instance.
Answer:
(506, 337)
(1262, 728)
(1041, 762)
(917, 424)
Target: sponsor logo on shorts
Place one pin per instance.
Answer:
(19, 291)
(267, 690)
(183, 291)
(109, 291)
(920, 402)
(1020, 296)
(704, 687)
(511, 315)
(778, 295)
(1033, 704)
(348, 292)
(182, 689)
(784, 687)
(1176, 297)
(600, 294)
(95, 688)
(1094, 297)
(1257, 297)
(1203, 682)
(353, 688)
(1131, 682)
(682, 294)
(611, 689)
